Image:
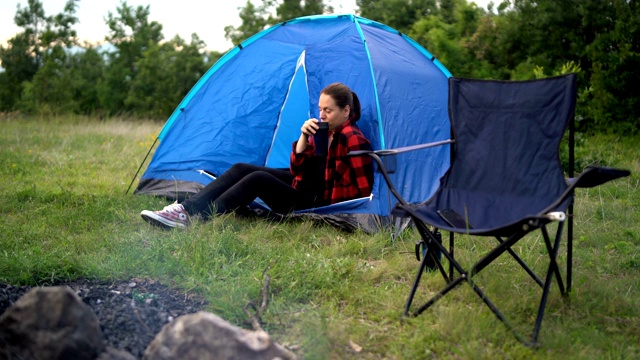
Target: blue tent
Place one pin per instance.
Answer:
(250, 105)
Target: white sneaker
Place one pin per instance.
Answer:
(171, 216)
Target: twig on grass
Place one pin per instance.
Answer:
(265, 294)
(255, 319)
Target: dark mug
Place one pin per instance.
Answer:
(321, 138)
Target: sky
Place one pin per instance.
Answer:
(204, 17)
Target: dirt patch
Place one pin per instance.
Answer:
(131, 313)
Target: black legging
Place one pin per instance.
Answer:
(243, 183)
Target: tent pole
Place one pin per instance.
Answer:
(140, 167)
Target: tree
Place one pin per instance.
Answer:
(87, 67)
(46, 32)
(49, 92)
(43, 39)
(291, 9)
(166, 73)
(614, 98)
(20, 66)
(601, 37)
(131, 33)
(255, 19)
(399, 14)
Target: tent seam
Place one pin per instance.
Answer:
(373, 79)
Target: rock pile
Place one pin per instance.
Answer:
(54, 323)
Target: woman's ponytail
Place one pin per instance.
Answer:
(355, 108)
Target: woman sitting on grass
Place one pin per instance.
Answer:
(311, 181)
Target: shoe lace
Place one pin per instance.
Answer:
(175, 207)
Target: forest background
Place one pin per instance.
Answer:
(141, 75)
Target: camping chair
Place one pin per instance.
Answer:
(505, 181)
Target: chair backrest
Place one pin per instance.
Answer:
(506, 163)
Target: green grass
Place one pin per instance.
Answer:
(64, 215)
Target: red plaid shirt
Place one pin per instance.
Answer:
(346, 178)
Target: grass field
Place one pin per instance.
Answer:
(333, 295)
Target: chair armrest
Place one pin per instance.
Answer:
(592, 176)
(375, 154)
(597, 175)
(400, 149)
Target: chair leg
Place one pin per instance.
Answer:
(497, 312)
(451, 251)
(432, 257)
(569, 245)
(452, 283)
(495, 253)
(553, 269)
(522, 264)
(553, 264)
(450, 286)
(504, 246)
(416, 282)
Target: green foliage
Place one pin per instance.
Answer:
(291, 9)
(270, 12)
(48, 92)
(253, 21)
(447, 37)
(165, 73)
(600, 37)
(46, 32)
(399, 14)
(27, 52)
(332, 294)
(140, 74)
(132, 34)
(18, 69)
(88, 66)
(615, 56)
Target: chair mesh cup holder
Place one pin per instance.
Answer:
(421, 248)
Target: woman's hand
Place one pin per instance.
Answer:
(309, 127)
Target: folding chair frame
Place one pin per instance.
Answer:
(434, 246)
(467, 276)
(431, 260)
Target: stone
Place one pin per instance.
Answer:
(114, 354)
(50, 323)
(205, 335)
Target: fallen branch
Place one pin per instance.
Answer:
(254, 319)
(265, 294)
